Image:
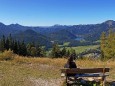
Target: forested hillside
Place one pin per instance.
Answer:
(31, 36)
(59, 33)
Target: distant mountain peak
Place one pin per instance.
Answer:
(57, 25)
(15, 24)
(1, 23)
(110, 22)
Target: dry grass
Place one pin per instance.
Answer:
(97, 64)
(20, 70)
(7, 55)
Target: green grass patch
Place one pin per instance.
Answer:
(81, 49)
(66, 43)
(98, 41)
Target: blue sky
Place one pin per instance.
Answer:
(50, 12)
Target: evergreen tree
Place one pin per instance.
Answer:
(42, 52)
(38, 50)
(55, 51)
(103, 44)
(29, 49)
(33, 51)
(108, 45)
(63, 52)
(15, 48)
(74, 54)
(22, 49)
(7, 44)
(10, 42)
(68, 53)
(2, 44)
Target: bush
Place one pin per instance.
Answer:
(7, 55)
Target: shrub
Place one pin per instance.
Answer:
(7, 55)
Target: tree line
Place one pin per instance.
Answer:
(20, 47)
(57, 52)
(108, 44)
(32, 49)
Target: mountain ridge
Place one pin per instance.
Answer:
(60, 33)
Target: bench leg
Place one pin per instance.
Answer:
(103, 81)
(66, 79)
(67, 84)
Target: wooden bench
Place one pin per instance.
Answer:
(75, 73)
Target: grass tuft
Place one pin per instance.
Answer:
(7, 55)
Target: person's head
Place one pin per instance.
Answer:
(71, 58)
(71, 62)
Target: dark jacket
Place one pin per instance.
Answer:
(70, 65)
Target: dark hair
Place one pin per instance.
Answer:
(71, 58)
(71, 62)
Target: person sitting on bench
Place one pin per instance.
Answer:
(70, 64)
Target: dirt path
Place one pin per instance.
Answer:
(45, 82)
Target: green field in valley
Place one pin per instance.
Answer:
(81, 49)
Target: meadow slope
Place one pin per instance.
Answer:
(28, 71)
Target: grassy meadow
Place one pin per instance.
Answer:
(28, 71)
(81, 49)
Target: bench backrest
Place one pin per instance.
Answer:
(89, 70)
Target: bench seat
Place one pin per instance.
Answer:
(91, 75)
(85, 72)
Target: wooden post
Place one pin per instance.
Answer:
(103, 80)
(67, 84)
(66, 79)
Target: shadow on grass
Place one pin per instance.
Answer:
(88, 83)
(111, 83)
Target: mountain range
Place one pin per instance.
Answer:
(59, 33)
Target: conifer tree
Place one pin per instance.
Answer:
(2, 44)
(38, 50)
(108, 45)
(55, 51)
(42, 52)
(74, 54)
(10, 42)
(29, 49)
(23, 49)
(103, 44)
(33, 51)
(68, 53)
(7, 44)
(63, 52)
(15, 48)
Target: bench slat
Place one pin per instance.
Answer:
(90, 75)
(89, 70)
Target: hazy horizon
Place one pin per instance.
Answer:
(53, 24)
